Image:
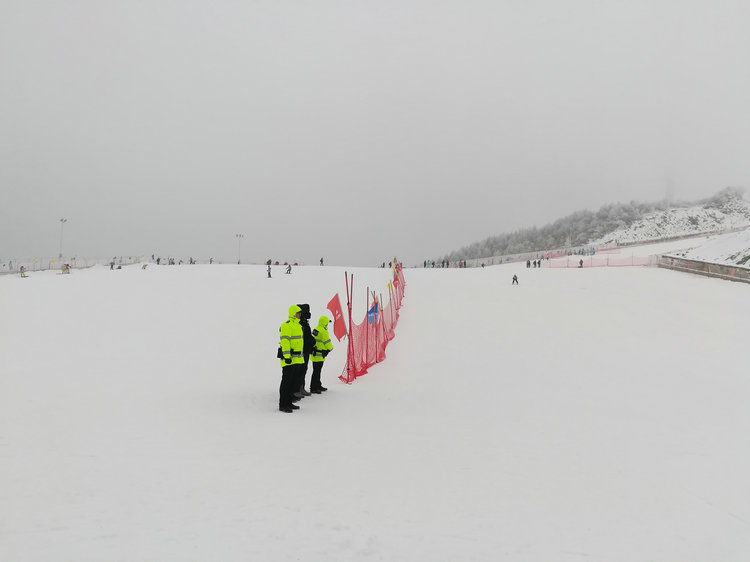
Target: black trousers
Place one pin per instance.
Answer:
(289, 374)
(301, 375)
(315, 378)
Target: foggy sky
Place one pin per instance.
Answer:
(355, 130)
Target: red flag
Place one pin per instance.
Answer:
(339, 328)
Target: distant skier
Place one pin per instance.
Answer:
(321, 261)
(289, 268)
(515, 280)
(580, 264)
(269, 271)
(23, 271)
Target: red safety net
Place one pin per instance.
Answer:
(368, 340)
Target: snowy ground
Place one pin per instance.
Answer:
(586, 414)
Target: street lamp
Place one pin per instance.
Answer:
(62, 223)
(239, 246)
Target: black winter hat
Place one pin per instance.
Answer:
(305, 311)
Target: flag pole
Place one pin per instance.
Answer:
(382, 324)
(351, 340)
(375, 326)
(367, 327)
(390, 303)
(350, 363)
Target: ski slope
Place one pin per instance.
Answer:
(585, 414)
(726, 249)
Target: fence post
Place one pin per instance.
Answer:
(367, 327)
(350, 361)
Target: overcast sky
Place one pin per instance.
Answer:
(355, 130)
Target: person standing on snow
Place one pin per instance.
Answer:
(308, 345)
(323, 347)
(292, 359)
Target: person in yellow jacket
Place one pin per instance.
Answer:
(292, 359)
(323, 347)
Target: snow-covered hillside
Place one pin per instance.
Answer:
(613, 225)
(732, 213)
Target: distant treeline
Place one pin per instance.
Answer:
(581, 227)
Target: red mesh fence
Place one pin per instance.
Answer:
(368, 340)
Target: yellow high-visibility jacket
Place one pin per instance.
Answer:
(291, 338)
(322, 340)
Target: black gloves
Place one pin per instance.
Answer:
(325, 352)
(288, 361)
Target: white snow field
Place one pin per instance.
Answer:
(586, 414)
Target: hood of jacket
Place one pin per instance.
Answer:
(323, 322)
(293, 310)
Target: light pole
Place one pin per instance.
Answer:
(239, 246)
(62, 223)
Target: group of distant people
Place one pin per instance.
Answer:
(443, 263)
(64, 268)
(175, 261)
(582, 252)
(170, 261)
(298, 344)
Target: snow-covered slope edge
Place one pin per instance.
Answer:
(725, 249)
